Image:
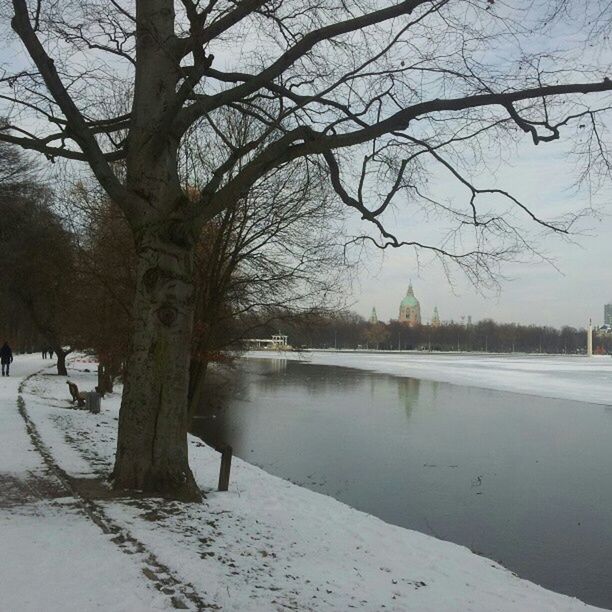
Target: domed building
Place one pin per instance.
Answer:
(410, 309)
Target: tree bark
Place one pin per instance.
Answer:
(105, 378)
(197, 376)
(61, 362)
(153, 421)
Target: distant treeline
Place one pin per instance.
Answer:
(350, 331)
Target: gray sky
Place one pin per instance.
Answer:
(530, 292)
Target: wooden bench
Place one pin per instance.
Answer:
(77, 396)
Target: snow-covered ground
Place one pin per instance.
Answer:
(576, 377)
(264, 545)
(52, 556)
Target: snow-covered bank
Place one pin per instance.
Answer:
(53, 557)
(264, 545)
(577, 378)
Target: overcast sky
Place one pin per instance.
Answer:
(532, 292)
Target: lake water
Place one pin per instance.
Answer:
(524, 480)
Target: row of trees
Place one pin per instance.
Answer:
(38, 256)
(348, 330)
(70, 260)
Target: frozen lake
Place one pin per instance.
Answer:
(566, 377)
(520, 478)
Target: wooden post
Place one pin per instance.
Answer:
(92, 400)
(226, 464)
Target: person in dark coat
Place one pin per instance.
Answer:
(50, 353)
(6, 358)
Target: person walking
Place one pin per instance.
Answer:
(50, 353)
(6, 358)
(44, 353)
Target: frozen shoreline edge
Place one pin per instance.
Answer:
(573, 378)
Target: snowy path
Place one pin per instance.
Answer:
(572, 377)
(57, 554)
(265, 545)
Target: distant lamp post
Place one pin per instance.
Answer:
(590, 339)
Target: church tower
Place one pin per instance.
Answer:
(410, 309)
(435, 320)
(373, 317)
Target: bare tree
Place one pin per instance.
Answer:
(16, 179)
(280, 247)
(106, 267)
(38, 271)
(375, 92)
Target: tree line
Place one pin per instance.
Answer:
(348, 330)
(69, 277)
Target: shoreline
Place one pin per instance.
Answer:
(574, 378)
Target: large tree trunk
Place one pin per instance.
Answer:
(152, 439)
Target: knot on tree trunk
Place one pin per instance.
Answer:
(167, 314)
(150, 278)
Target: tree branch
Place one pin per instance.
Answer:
(294, 53)
(80, 132)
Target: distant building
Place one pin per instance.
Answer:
(373, 317)
(608, 314)
(277, 342)
(410, 309)
(435, 320)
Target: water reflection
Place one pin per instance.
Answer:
(408, 392)
(523, 480)
(277, 365)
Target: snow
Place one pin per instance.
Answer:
(58, 560)
(575, 377)
(53, 557)
(266, 544)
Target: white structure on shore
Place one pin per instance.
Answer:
(278, 342)
(590, 339)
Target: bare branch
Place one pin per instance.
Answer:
(81, 134)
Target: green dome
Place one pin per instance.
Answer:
(409, 301)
